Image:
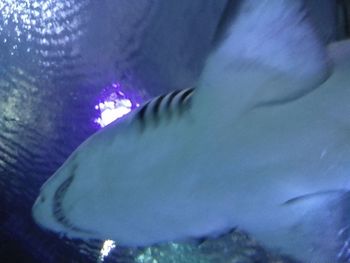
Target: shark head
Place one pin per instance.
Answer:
(50, 208)
(60, 198)
(76, 197)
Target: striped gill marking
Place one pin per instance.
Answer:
(166, 105)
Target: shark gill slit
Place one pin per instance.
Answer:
(163, 106)
(140, 116)
(156, 107)
(172, 95)
(185, 99)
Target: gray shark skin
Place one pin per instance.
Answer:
(261, 143)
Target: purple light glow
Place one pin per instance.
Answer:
(114, 104)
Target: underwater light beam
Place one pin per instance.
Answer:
(115, 104)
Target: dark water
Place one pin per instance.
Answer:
(56, 59)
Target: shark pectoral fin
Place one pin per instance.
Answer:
(266, 52)
(321, 229)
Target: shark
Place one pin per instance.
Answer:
(260, 143)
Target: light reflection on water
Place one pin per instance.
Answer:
(24, 20)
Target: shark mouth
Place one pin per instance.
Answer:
(58, 211)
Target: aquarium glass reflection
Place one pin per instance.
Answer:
(115, 102)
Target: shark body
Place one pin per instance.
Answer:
(262, 143)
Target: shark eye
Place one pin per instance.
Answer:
(42, 199)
